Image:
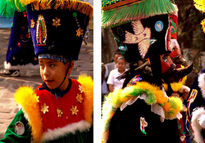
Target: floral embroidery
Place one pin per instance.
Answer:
(79, 32)
(32, 23)
(79, 98)
(74, 110)
(56, 22)
(143, 124)
(44, 108)
(59, 112)
(80, 89)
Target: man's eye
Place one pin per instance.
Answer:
(52, 65)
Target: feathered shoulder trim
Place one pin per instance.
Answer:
(154, 95)
(27, 99)
(87, 85)
(80, 6)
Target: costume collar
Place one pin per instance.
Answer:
(57, 92)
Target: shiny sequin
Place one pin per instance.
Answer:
(44, 108)
(56, 22)
(80, 89)
(74, 110)
(79, 32)
(79, 98)
(59, 112)
(32, 23)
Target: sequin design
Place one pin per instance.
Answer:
(79, 98)
(74, 110)
(141, 36)
(32, 23)
(44, 108)
(59, 112)
(143, 124)
(41, 31)
(56, 22)
(134, 80)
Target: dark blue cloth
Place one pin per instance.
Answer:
(20, 48)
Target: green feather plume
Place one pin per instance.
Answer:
(8, 7)
(127, 13)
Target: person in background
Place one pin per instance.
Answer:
(20, 57)
(105, 89)
(111, 66)
(113, 81)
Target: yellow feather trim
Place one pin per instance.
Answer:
(83, 7)
(176, 86)
(200, 5)
(171, 105)
(203, 25)
(26, 97)
(87, 85)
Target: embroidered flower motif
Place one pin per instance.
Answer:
(74, 110)
(56, 22)
(59, 112)
(79, 32)
(32, 23)
(79, 98)
(44, 108)
(80, 89)
(143, 124)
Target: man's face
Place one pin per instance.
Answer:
(116, 56)
(121, 64)
(52, 72)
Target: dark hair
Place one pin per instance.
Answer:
(117, 52)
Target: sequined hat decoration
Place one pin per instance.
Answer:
(58, 26)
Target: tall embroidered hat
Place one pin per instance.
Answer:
(144, 29)
(57, 26)
(141, 27)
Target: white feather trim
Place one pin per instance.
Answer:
(201, 80)
(195, 125)
(71, 128)
(30, 66)
(25, 70)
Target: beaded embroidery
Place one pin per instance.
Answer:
(41, 31)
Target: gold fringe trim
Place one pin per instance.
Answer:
(83, 7)
(28, 100)
(87, 85)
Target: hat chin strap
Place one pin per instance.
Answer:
(64, 77)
